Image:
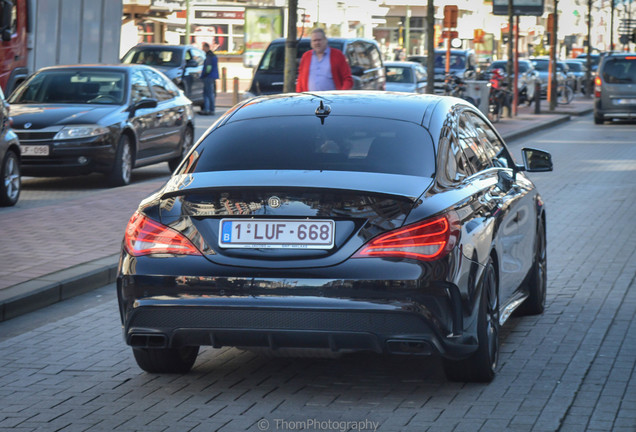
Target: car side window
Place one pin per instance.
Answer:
(469, 142)
(493, 147)
(139, 86)
(374, 56)
(358, 55)
(452, 166)
(197, 55)
(159, 86)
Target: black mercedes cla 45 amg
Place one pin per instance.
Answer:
(341, 221)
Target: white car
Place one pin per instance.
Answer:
(405, 76)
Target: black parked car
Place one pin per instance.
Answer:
(9, 157)
(183, 64)
(363, 55)
(81, 119)
(311, 221)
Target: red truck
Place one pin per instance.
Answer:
(38, 33)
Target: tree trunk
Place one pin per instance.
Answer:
(291, 48)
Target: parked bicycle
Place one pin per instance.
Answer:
(565, 94)
(499, 96)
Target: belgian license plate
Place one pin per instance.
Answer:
(626, 101)
(277, 233)
(34, 150)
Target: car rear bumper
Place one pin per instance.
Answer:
(292, 322)
(385, 316)
(614, 110)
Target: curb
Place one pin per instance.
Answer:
(522, 132)
(56, 287)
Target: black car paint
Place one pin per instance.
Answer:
(333, 301)
(156, 129)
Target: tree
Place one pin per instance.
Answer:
(291, 48)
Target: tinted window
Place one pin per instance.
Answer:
(160, 86)
(399, 74)
(541, 66)
(469, 142)
(197, 55)
(620, 70)
(139, 87)
(457, 61)
(576, 67)
(154, 56)
(302, 143)
(374, 56)
(453, 166)
(494, 150)
(72, 86)
(359, 54)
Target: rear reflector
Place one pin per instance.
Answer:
(428, 240)
(145, 236)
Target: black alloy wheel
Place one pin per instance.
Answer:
(482, 364)
(185, 146)
(122, 169)
(537, 280)
(166, 360)
(11, 183)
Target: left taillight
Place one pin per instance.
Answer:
(428, 240)
(145, 236)
(597, 86)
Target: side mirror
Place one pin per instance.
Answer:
(357, 70)
(191, 63)
(142, 104)
(535, 160)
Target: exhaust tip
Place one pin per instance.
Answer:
(148, 341)
(416, 347)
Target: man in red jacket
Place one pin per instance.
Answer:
(323, 67)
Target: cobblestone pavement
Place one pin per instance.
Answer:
(570, 369)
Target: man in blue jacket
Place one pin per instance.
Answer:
(209, 75)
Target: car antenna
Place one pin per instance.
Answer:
(323, 112)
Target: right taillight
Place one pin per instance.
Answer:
(597, 86)
(428, 240)
(145, 236)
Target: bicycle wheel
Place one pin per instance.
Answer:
(564, 94)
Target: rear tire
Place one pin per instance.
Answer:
(481, 365)
(537, 279)
(11, 182)
(599, 119)
(122, 169)
(166, 360)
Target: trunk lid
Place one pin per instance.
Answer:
(356, 205)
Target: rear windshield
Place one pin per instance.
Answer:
(576, 66)
(154, 56)
(274, 58)
(541, 66)
(620, 70)
(302, 143)
(399, 74)
(457, 61)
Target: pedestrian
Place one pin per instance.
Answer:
(323, 67)
(209, 75)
